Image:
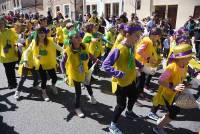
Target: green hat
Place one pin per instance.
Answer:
(72, 33)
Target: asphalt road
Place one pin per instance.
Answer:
(31, 115)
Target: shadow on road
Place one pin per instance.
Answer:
(9, 106)
(101, 113)
(104, 86)
(6, 129)
(4, 98)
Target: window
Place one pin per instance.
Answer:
(107, 11)
(196, 12)
(115, 9)
(50, 10)
(88, 8)
(138, 4)
(94, 7)
(14, 3)
(17, 3)
(66, 10)
(57, 8)
(4, 7)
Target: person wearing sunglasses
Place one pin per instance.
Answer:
(44, 59)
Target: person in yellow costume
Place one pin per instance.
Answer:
(23, 70)
(88, 29)
(171, 83)
(95, 48)
(69, 26)
(75, 62)
(93, 41)
(26, 37)
(59, 33)
(44, 49)
(43, 23)
(180, 36)
(120, 35)
(146, 54)
(120, 64)
(8, 52)
(94, 18)
(110, 36)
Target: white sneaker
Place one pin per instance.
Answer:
(198, 101)
(17, 95)
(93, 100)
(160, 119)
(54, 89)
(44, 96)
(153, 116)
(79, 112)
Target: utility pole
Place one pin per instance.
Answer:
(135, 6)
(35, 5)
(75, 9)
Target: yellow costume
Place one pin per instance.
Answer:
(174, 74)
(118, 40)
(47, 55)
(177, 75)
(60, 35)
(111, 38)
(121, 64)
(8, 51)
(76, 68)
(145, 51)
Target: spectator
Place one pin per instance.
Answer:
(190, 25)
(166, 44)
(102, 25)
(124, 17)
(133, 16)
(49, 18)
(151, 24)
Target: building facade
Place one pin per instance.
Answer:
(107, 8)
(23, 6)
(10, 5)
(177, 11)
(70, 8)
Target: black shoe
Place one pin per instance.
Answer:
(131, 115)
(12, 86)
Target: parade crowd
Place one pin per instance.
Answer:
(130, 51)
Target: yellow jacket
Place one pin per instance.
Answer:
(121, 64)
(145, 51)
(8, 50)
(177, 75)
(44, 55)
(76, 68)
